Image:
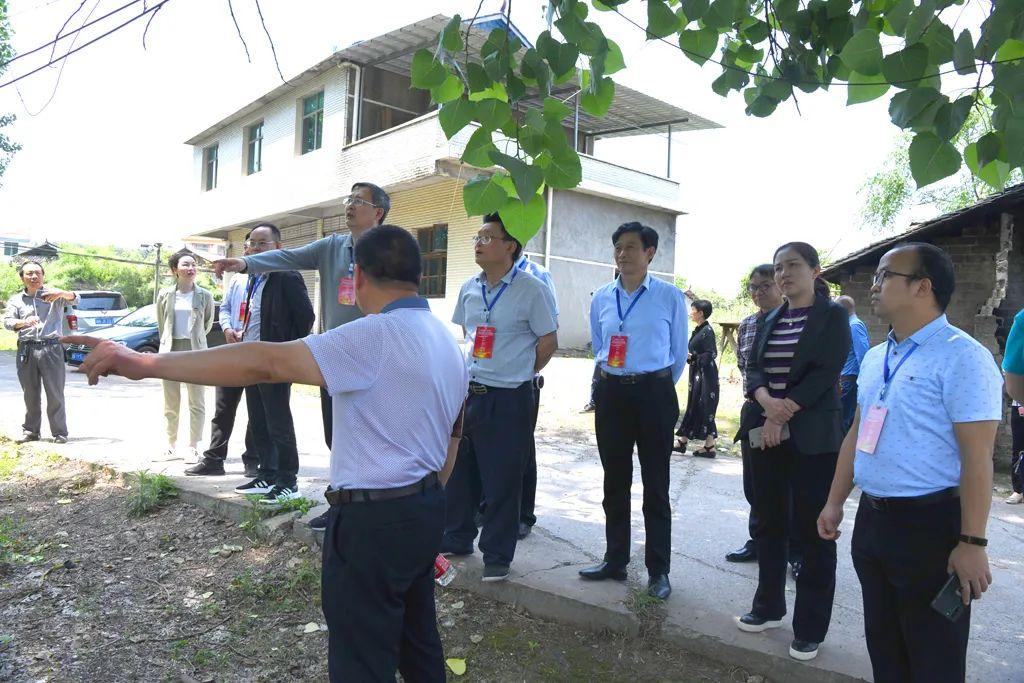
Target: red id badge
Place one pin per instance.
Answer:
(347, 292)
(871, 429)
(617, 350)
(242, 309)
(483, 341)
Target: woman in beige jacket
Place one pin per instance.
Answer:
(184, 316)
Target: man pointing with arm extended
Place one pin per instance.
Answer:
(404, 421)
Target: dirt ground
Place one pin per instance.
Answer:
(90, 593)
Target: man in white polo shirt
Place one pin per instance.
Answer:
(920, 449)
(398, 382)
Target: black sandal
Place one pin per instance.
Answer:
(676, 448)
(706, 452)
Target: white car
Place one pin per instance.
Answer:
(97, 309)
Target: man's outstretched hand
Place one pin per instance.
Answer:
(107, 357)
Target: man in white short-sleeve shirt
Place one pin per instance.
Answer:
(398, 382)
(920, 449)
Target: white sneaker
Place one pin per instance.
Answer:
(1015, 499)
(192, 456)
(279, 495)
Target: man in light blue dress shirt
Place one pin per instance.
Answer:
(527, 518)
(860, 343)
(639, 336)
(920, 449)
(508, 319)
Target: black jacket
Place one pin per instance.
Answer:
(813, 377)
(286, 313)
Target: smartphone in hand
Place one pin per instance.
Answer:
(949, 602)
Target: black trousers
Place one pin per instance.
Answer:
(1017, 429)
(270, 418)
(529, 495)
(901, 560)
(223, 424)
(795, 554)
(489, 467)
(377, 589)
(790, 488)
(327, 412)
(642, 415)
(593, 383)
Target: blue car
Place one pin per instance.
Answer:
(138, 331)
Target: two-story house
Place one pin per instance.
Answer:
(291, 156)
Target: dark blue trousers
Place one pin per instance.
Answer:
(495, 438)
(848, 397)
(377, 589)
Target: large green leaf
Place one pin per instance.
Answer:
(898, 15)
(523, 220)
(1011, 50)
(527, 177)
(492, 114)
(597, 103)
(555, 109)
(940, 42)
(426, 73)
(950, 117)
(917, 107)
(479, 148)
(1013, 133)
(477, 77)
(614, 61)
(561, 57)
(699, 45)
(661, 21)
(451, 89)
(730, 79)
(865, 88)
(932, 159)
(995, 173)
(451, 37)
(694, 9)
(456, 115)
(483, 195)
(721, 14)
(495, 91)
(919, 20)
(963, 54)
(564, 171)
(757, 32)
(990, 147)
(905, 67)
(863, 52)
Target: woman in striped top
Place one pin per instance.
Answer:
(793, 375)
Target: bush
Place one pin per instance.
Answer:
(149, 491)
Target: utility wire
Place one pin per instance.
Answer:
(154, 8)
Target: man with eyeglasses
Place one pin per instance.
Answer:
(920, 450)
(228, 398)
(332, 257)
(859, 347)
(508, 320)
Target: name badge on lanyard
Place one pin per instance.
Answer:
(619, 343)
(347, 284)
(871, 424)
(483, 339)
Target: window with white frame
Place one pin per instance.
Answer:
(312, 122)
(254, 148)
(210, 167)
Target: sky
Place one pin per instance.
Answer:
(104, 159)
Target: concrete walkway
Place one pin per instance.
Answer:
(120, 423)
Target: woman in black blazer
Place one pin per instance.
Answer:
(792, 378)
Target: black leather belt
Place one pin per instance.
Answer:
(479, 389)
(910, 503)
(636, 378)
(346, 496)
(40, 342)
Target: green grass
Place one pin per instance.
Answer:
(148, 492)
(9, 458)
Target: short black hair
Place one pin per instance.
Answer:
(380, 198)
(495, 218)
(704, 306)
(21, 268)
(764, 270)
(274, 230)
(173, 259)
(648, 235)
(934, 264)
(388, 253)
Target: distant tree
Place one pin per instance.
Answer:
(7, 146)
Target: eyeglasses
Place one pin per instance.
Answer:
(358, 201)
(763, 289)
(484, 240)
(250, 243)
(880, 276)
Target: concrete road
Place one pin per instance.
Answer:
(120, 423)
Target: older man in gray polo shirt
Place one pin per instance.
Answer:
(508, 318)
(398, 383)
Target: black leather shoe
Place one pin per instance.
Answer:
(524, 530)
(748, 553)
(751, 623)
(659, 587)
(205, 469)
(603, 571)
(803, 650)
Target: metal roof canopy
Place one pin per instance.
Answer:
(631, 113)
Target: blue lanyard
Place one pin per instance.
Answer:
(888, 376)
(483, 292)
(618, 305)
(351, 259)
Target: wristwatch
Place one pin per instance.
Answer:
(973, 540)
